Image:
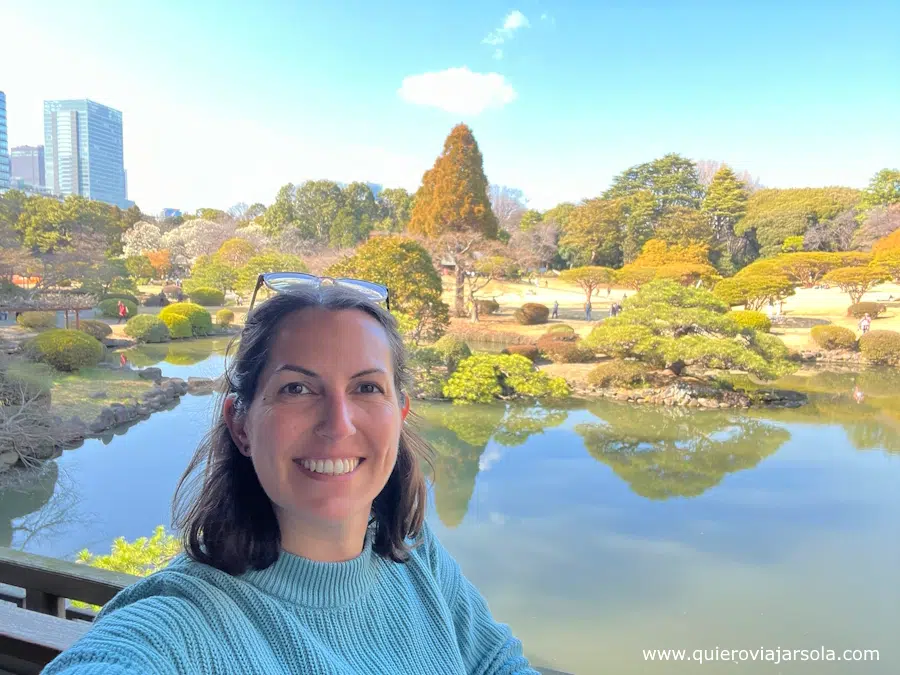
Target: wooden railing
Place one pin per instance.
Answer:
(37, 622)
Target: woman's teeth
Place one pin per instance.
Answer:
(334, 467)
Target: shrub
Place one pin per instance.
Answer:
(618, 373)
(66, 349)
(110, 308)
(487, 306)
(147, 328)
(151, 300)
(37, 320)
(201, 321)
(207, 297)
(483, 377)
(561, 330)
(120, 296)
(179, 326)
(747, 318)
(224, 317)
(860, 309)
(530, 352)
(96, 329)
(564, 350)
(22, 381)
(452, 350)
(833, 337)
(172, 290)
(531, 313)
(428, 377)
(881, 346)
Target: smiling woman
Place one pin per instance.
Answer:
(302, 515)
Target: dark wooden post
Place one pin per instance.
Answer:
(67, 318)
(77, 320)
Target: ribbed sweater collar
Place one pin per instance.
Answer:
(311, 583)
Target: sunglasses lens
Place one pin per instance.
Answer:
(286, 282)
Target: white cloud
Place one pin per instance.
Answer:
(498, 53)
(458, 91)
(513, 22)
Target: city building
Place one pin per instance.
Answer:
(4, 145)
(83, 153)
(27, 165)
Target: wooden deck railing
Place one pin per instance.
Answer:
(37, 622)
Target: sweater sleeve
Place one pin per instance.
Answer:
(487, 646)
(127, 640)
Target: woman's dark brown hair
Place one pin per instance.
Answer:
(224, 515)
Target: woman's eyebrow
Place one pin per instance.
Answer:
(312, 373)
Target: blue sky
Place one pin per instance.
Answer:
(224, 102)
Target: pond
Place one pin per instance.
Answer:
(597, 530)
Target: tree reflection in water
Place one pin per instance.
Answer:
(460, 434)
(671, 452)
(31, 506)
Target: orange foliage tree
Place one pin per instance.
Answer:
(452, 210)
(160, 261)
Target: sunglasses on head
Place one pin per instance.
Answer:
(286, 282)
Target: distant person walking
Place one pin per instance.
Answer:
(865, 323)
(123, 311)
(587, 311)
(555, 314)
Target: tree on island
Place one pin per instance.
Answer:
(667, 325)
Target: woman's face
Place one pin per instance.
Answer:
(324, 427)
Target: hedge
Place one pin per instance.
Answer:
(748, 318)
(224, 317)
(560, 330)
(207, 297)
(179, 326)
(618, 373)
(532, 313)
(147, 328)
(96, 329)
(833, 337)
(860, 309)
(120, 296)
(530, 352)
(37, 320)
(487, 306)
(564, 350)
(201, 321)
(451, 350)
(881, 346)
(66, 349)
(110, 308)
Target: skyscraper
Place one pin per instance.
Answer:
(27, 164)
(4, 145)
(83, 150)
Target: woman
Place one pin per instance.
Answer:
(306, 549)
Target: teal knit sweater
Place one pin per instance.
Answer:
(366, 616)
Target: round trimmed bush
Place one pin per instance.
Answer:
(561, 330)
(66, 349)
(530, 352)
(224, 317)
(207, 297)
(618, 373)
(37, 320)
(147, 328)
(881, 346)
(564, 350)
(179, 326)
(171, 290)
(452, 350)
(747, 318)
(110, 308)
(96, 329)
(531, 313)
(487, 306)
(833, 337)
(860, 309)
(201, 320)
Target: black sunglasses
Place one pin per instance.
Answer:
(285, 282)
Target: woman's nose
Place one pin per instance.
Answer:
(337, 418)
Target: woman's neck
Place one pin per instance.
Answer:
(323, 542)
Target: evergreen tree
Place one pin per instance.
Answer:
(452, 207)
(724, 206)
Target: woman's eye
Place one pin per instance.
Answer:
(294, 388)
(369, 388)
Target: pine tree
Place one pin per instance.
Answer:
(725, 204)
(452, 204)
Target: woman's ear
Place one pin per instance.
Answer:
(236, 423)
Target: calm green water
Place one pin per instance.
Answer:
(600, 530)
